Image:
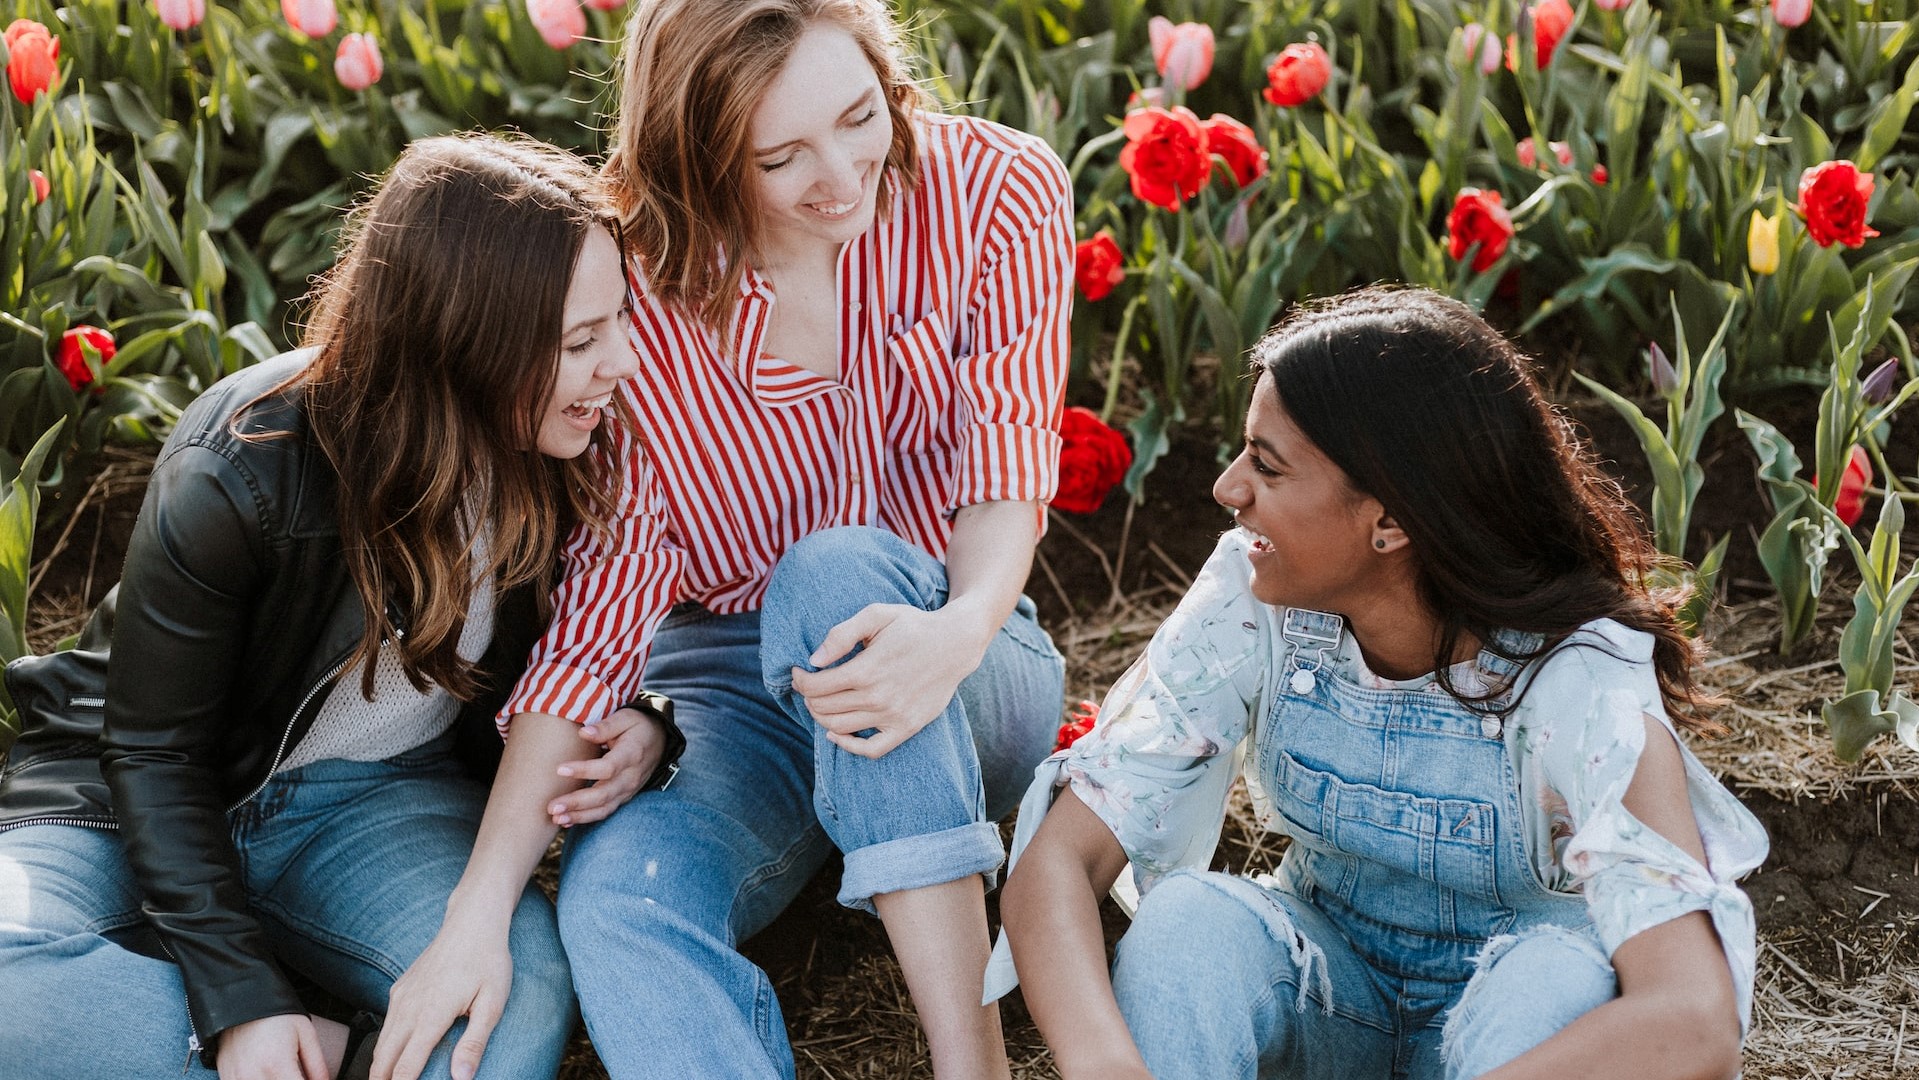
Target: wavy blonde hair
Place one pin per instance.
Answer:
(438, 337)
(692, 72)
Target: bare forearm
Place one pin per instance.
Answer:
(987, 562)
(515, 831)
(1051, 912)
(1629, 1038)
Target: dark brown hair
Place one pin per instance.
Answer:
(438, 337)
(1512, 524)
(692, 72)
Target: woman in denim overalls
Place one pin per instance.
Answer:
(1430, 648)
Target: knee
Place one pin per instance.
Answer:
(1189, 942)
(1528, 987)
(835, 572)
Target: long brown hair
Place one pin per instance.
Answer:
(692, 72)
(1512, 523)
(437, 337)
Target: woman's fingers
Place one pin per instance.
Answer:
(479, 1028)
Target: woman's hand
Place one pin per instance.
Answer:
(285, 1047)
(910, 667)
(631, 743)
(464, 972)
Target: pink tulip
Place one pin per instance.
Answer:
(314, 18)
(1183, 53)
(1791, 13)
(560, 22)
(1613, 5)
(1483, 46)
(357, 62)
(606, 5)
(181, 14)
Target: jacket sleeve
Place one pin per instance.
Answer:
(194, 565)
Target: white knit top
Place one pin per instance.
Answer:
(397, 718)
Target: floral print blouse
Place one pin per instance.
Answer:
(1158, 766)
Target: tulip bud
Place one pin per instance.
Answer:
(1480, 46)
(1182, 52)
(357, 63)
(1791, 13)
(1762, 244)
(181, 14)
(560, 22)
(1665, 380)
(314, 18)
(1877, 386)
(42, 187)
(1239, 228)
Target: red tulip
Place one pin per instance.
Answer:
(1092, 458)
(1098, 266)
(1166, 155)
(1237, 145)
(42, 187)
(1078, 723)
(33, 59)
(560, 22)
(1791, 13)
(1551, 20)
(1850, 503)
(357, 63)
(1183, 53)
(72, 360)
(181, 14)
(1478, 217)
(1298, 74)
(1833, 198)
(314, 18)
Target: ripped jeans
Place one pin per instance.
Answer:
(1405, 935)
(1273, 989)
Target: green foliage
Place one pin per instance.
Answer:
(1871, 705)
(18, 512)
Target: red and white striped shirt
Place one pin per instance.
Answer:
(952, 371)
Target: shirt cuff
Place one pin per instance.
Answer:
(1008, 463)
(559, 690)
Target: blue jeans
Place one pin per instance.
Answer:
(655, 899)
(348, 866)
(1272, 988)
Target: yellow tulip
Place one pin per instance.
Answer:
(1762, 244)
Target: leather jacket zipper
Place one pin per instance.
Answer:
(286, 735)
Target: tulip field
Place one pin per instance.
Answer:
(1699, 216)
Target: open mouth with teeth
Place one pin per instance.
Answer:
(587, 407)
(1260, 543)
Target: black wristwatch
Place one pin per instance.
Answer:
(660, 707)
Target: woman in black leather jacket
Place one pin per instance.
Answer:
(338, 570)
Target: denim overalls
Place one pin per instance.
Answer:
(1408, 857)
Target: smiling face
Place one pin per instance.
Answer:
(595, 352)
(819, 137)
(1314, 531)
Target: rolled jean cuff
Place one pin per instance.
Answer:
(914, 862)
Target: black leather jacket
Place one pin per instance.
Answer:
(235, 614)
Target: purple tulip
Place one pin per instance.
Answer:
(1665, 380)
(1877, 386)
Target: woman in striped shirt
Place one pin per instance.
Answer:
(852, 319)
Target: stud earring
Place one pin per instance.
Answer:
(1380, 544)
